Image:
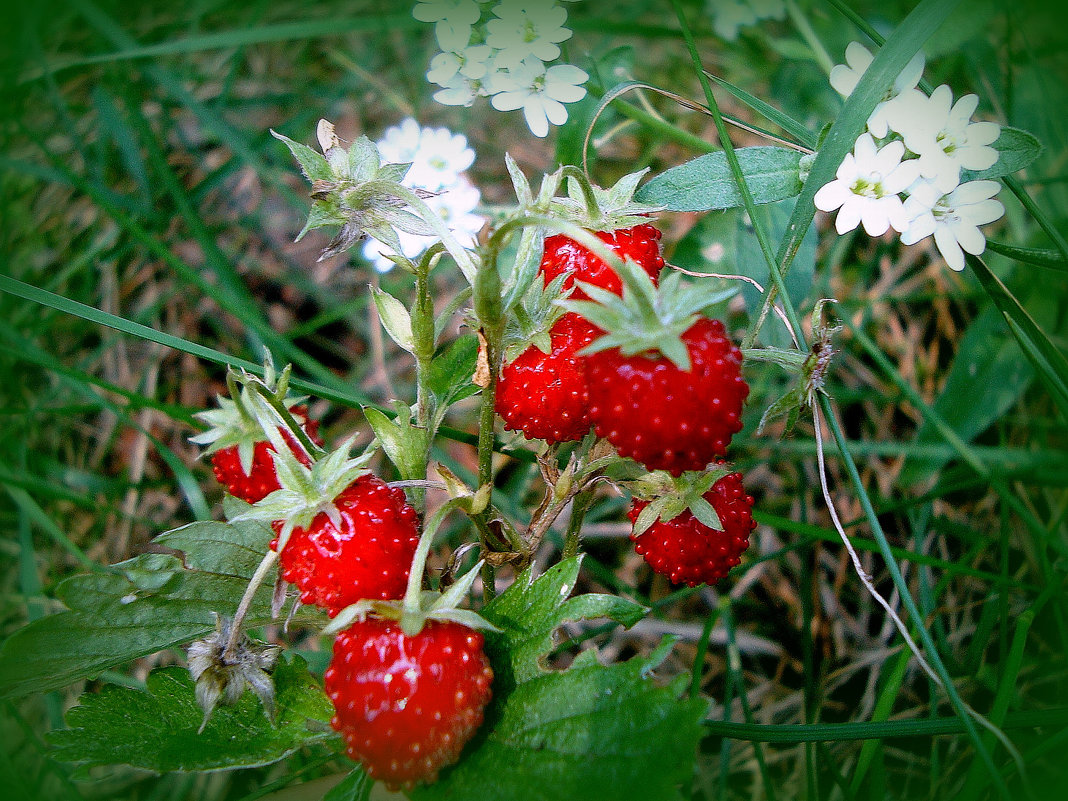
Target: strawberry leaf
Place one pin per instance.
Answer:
(144, 605)
(156, 729)
(706, 182)
(591, 732)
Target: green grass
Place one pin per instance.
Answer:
(148, 219)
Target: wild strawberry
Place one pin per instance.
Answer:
(666, 417)
(407, 705)
(563, 255)
(665, 385)
(362, 552)
(244, 431)
(258, 479)
(686, 550)
(544, 395)
(343, 534)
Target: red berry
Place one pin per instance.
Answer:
(544, 395)
(407, 706)
(664, 417)
(687, 551)
(369, 556)
(261, 480)
(563, 254)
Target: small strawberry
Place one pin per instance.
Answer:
(409, 679)
(239, 445)
(363, 552)
(258, 479)
(343, 535)
(407, 704)
(563, 255)
(687, 549)
(544, 394)
(665, 385)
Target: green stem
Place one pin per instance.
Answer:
(246, 603)
(593, 210)
(423, 339)
(579, 506)
(823, 58)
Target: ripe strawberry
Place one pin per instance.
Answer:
(361, 547)
(260, 480)
(663, 416)
(544, 395)
(686, 550)
(564, 255)
(407, 704)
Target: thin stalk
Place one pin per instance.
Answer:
(580, 505)
(246, 603)
(823, 58)
(423, 350)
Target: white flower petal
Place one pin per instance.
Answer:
(874, 217)
(948, 247)
(535, 116)
(848, 218)
(970, 238)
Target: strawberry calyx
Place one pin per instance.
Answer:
(531, 320)
(601, 209)
(308, 490)
(647, 319)
(236, 424)
(418, 605)
(668, 496)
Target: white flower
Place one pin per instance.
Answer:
(541, 93)
(471, 62)
(942, 134)
(729, 16)
(452, 36)
(464, 12)
(866, 188)
(845, 77)
(523, 29)
(439, 158)
(953, 218)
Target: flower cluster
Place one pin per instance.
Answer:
(730, 15)
(503, 55)
(905, 170)
(439, 159)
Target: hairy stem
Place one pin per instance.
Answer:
(246, 603)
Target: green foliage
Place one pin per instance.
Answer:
(157, 728)
(706, 182)
(604, 733)
(146, 604)
(1017, 150)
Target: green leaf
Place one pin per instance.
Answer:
(395, 318)
(354, 787)
(156, 729)
(312, 163)
(1016, 149)
(452, 369)
(529, 611)
(706, 183)
(405, 444)
(592, 732)
(118, 616)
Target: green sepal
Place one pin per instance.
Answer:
(405, 443)
(395, 318)
(314, 165)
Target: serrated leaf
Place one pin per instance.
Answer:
(706, 183)
(1017, 149)
(405, 444)
(592, 732)
(363, 160)
(395, 318)
(156, 729)
(323, 214)
(530, 610)
(113, 620)
(313, 164)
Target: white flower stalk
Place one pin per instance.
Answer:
(845, 77)
(952, 218)
(439, 159)
(942, 134)
(541, 93)
(524, 29)
(866, 187)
